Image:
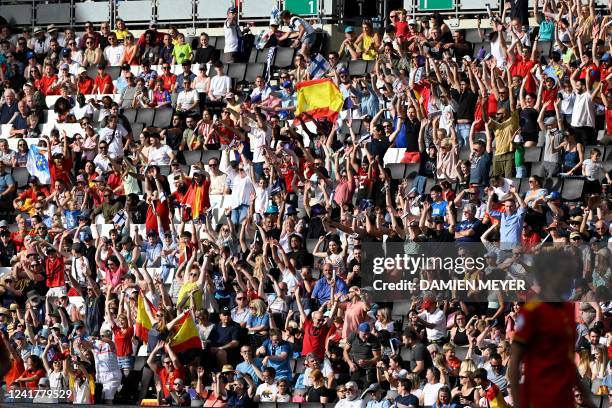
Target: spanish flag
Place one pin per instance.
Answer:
(143, 323)
(320, 98)
(187, 336)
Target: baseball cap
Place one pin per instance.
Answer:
(227, 368)
(289, 210)
(30, 55)
(3, 223)
(66, 52)
(81, 70)
(364, 327)
(412, 21)
(232, 10)
(272, 209)
(64, 66)
(574, 235)
(18, 335)
(605, 57)
(349, 29)
(51, 28)
(125, 67)
(225, 311)
(86, 236)
(287, 84)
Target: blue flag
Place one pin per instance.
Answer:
(38, 165)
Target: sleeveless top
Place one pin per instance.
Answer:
(570, 159)
(460, 338)
(370, 54)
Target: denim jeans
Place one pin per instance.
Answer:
(239, 214)
(463, 134)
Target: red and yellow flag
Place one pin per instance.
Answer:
(143, 323)
(320, 98)
(187, 336)
(494, 397)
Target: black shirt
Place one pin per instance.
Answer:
(362, 350)
(412, 134)
(418, 352)
(466, 103)
(520, 10)
(314, 394)
(204, 55)
(220, 336)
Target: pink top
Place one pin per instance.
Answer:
(354, 314)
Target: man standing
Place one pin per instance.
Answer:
(233, 36)
(434, 320)
(511, 224)
(113, 134)
(361, 353)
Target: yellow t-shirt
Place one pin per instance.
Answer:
(504, 133)
(121, 34)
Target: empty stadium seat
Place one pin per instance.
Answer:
(533, 154)
(130, 114)
(210, 154)
(114, 72)
(236, 71)
(254, 70)
(163, 118)
(20, 175)
(220, 43)
(145, 116)
(357, 68)
(283, 58)
(136, 129)
(192, 157)
(397, 170)
(572, 189)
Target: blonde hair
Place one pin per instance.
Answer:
(448, 347)
(467, 365)
(598, 365)
(584, 363)
(259, 306)
(385, 314)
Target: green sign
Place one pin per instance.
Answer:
(301, 7)
(436, 5)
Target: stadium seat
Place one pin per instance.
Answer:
(210, 154)
(553, 184)
(572, 189)
(212, 41)
(412, 170)
(220, 43)
(136, 129)
(401, 308)
(114, 72)
(145, 116)
(163, 118)
(253, 55)
(130, 114)
(283, 57)
(20, 175)
(357, 68)
(192, 157)
(92, 71)
(254, 70)
(397, 170)
(533, 154)
(236, 71)
(164, 171)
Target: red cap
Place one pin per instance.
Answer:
(427, 302)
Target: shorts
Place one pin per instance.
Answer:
(110, 383)
(309, 39)
(57, 291)
(125, 363)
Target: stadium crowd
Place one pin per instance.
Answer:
(181, 198)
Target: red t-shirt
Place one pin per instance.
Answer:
(55, 271)
(401, 29)
(85, 86)
(549, 95)
(38, 375)
(169, 81)
(167, 378)
(114, 181)
(164, 214)
(44, 84)
(17, 240)
(60, 174)
(103, 84)
(14, 372)
(288, 173)
(314, 339)
(123, 340)
(547, 331)
(522, 68)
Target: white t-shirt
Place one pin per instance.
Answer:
(160, 156)
(583, 113)
(437, 318)
(113, 55)
(232, 36)
(242, 187)
(296, 22)
(220, 85)
(430, 393)
(266, 392)
(186, 99)
(82, 393)
(258, 138)
(114, 138)
(593, 170)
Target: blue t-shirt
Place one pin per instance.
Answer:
(71, 218)
(246, 368)
(510, 228)
(439, 209)
(469, 225)
(6, 180)
(282, 367)
(255, 321)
